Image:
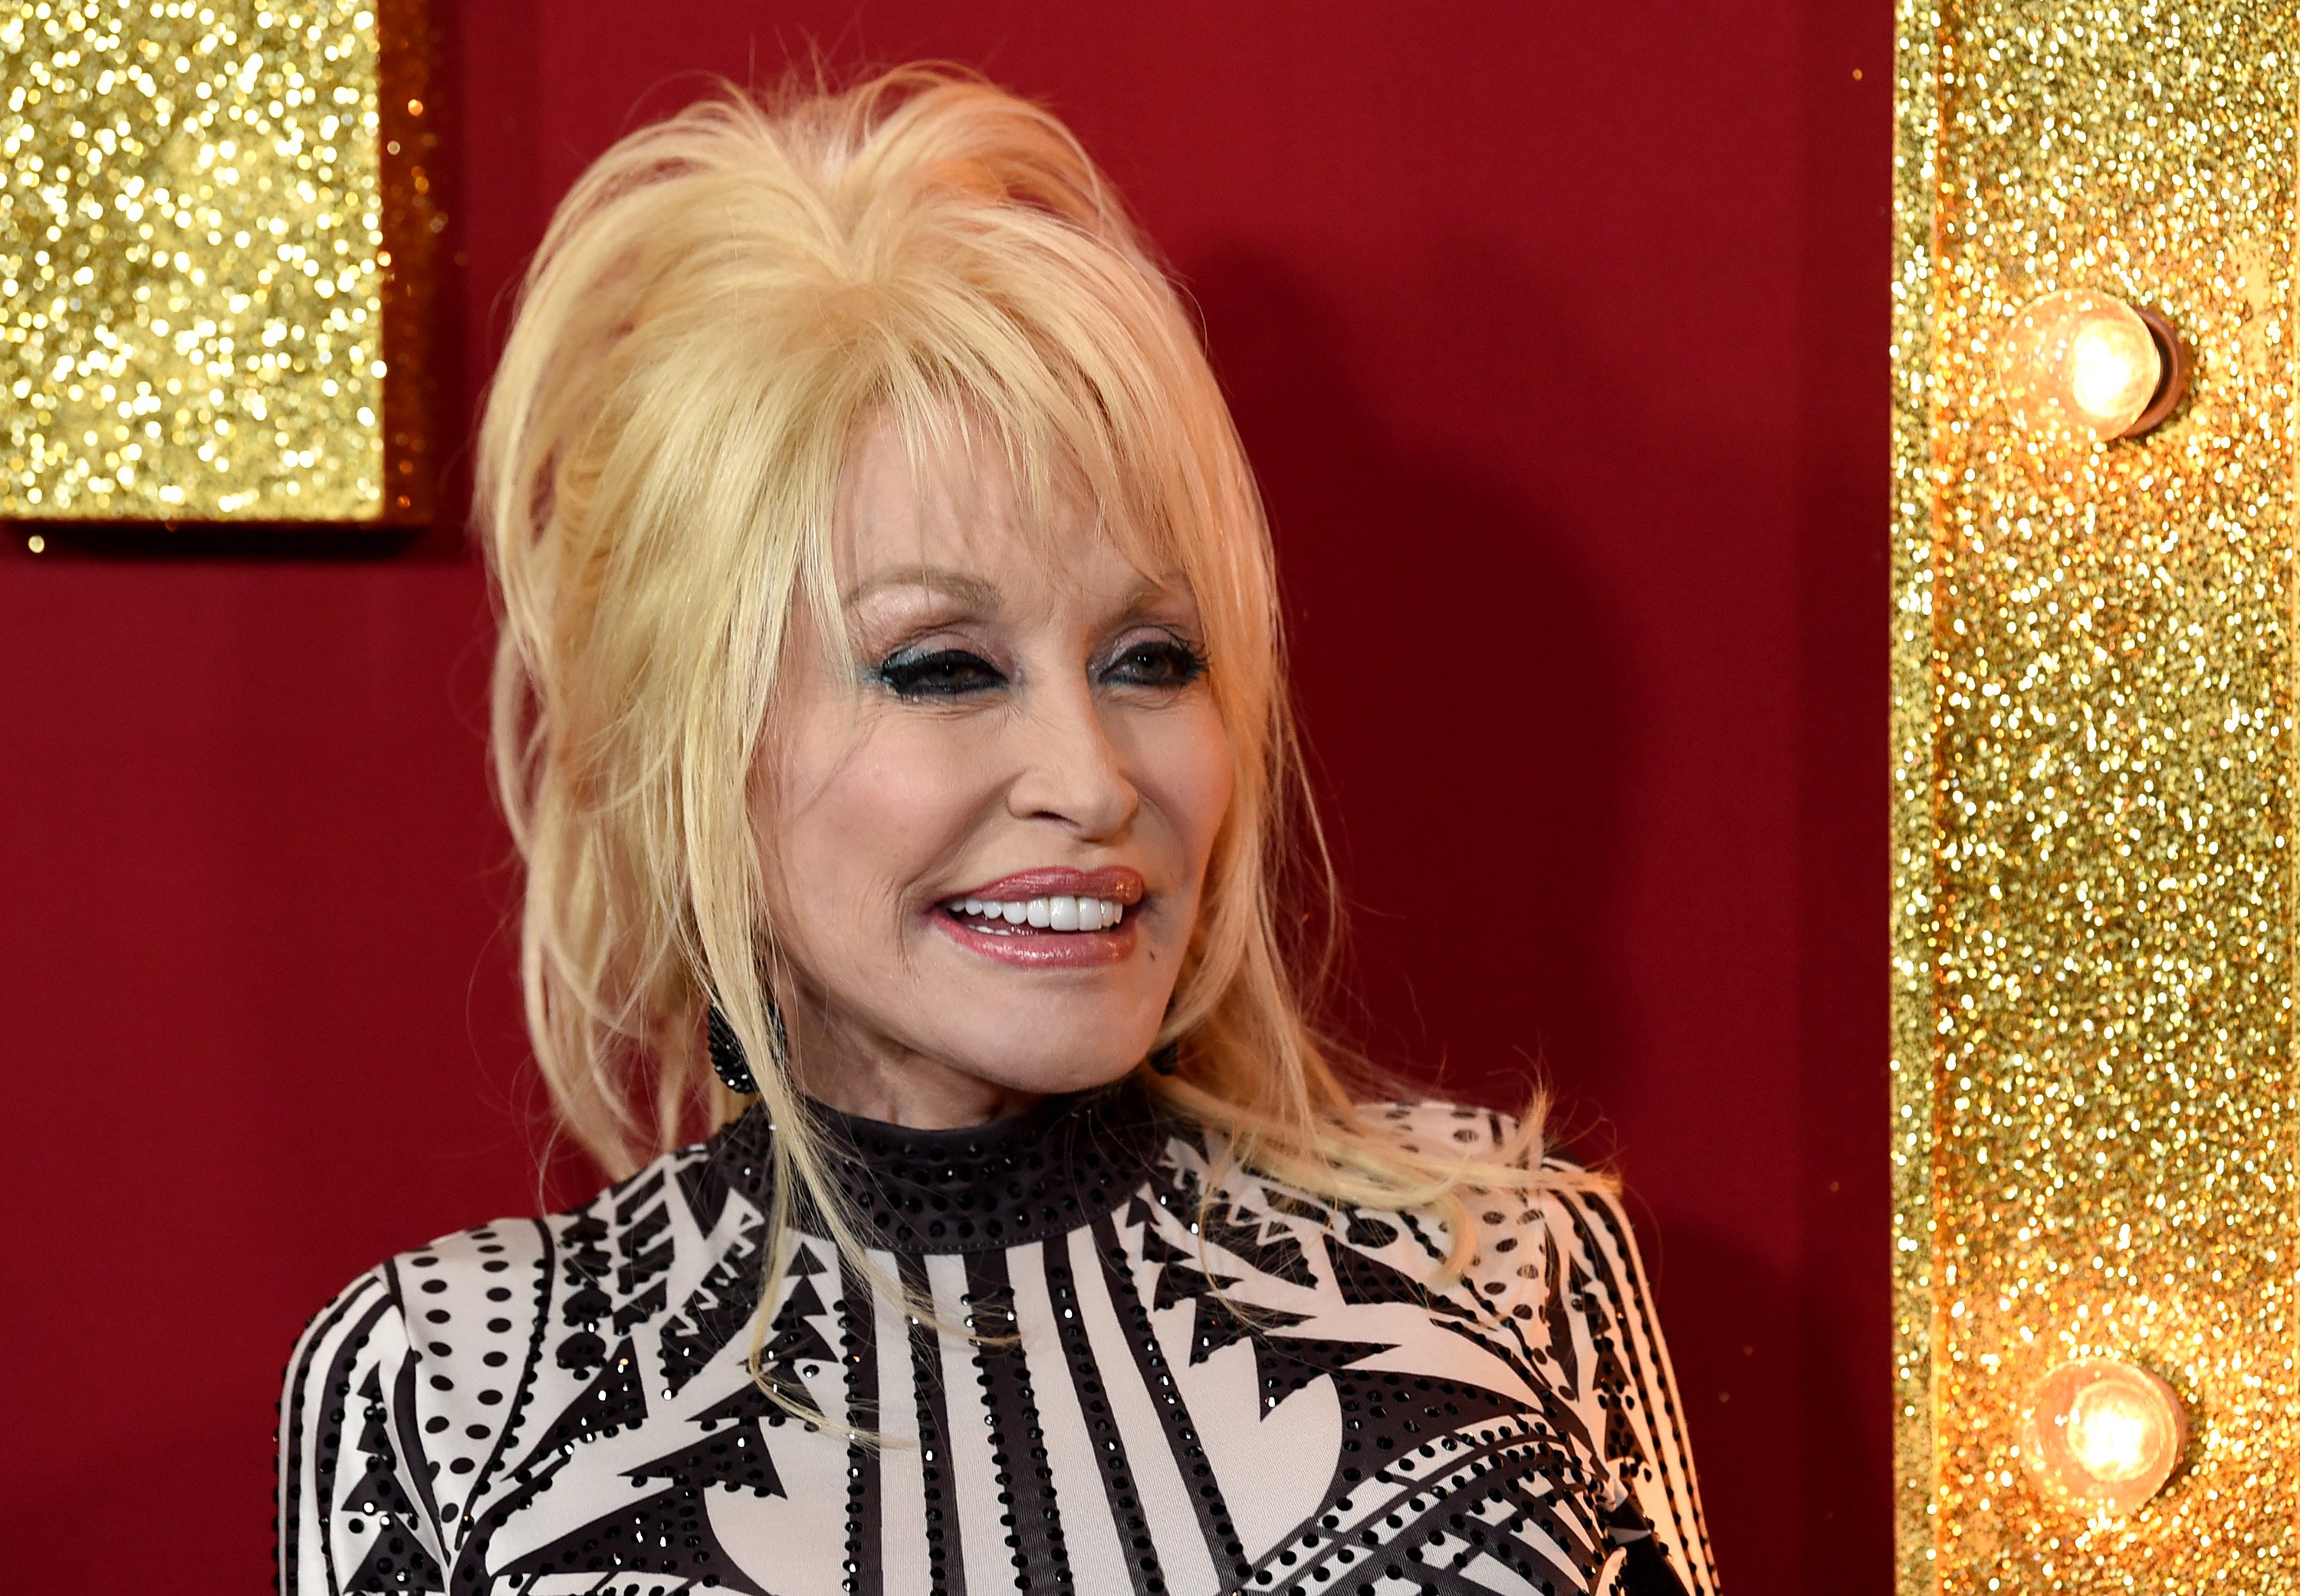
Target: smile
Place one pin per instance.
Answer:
(1047, 918)
(1062, 912)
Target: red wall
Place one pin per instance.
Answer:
(1558, 333)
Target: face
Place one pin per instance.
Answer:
(985, 826)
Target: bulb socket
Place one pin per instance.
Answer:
(2172, 384)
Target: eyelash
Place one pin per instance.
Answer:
(949, 673)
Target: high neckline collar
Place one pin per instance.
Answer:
(1060, 1163)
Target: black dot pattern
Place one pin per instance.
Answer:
(860, 1569)
(1030, 1513)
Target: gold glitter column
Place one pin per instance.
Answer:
(2095, 650)
(216, 233)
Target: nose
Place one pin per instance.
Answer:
(1071, 773)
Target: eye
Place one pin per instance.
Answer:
(1155, 661)
(941, 673)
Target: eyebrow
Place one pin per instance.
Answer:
(971, 591)
(978, 594)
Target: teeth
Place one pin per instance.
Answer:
(1045, 914)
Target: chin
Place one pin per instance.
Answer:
(1047, 1031)
(1043, 1064)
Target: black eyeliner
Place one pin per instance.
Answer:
(962, 672)
(1187, 659)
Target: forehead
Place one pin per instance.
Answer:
(954, 507)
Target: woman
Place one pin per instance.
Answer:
(889, 714)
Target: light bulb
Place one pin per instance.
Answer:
(2105, 1434)
(2085, 366)
(2110, 1433)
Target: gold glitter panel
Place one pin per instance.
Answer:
(216, 239)
(2095, 649)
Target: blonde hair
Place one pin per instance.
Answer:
(719, 305)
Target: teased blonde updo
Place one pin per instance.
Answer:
(719, 305)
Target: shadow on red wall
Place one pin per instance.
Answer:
(1558, 337)
(1449, 625)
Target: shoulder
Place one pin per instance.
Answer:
(455, 1318)
(475, 1293)
(1531, 1249)
(431, 1368)
(1434, 1128)
(480, 1289)
(1493, 1192)
(1558, 1257)
(487, 1298)
(332, 1375)
(1562, 1209)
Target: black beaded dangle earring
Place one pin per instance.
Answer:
(727, 1049)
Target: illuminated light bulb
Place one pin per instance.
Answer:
(2110, 1433)
(2085, 366)
(2103, 1434)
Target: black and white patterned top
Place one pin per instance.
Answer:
(1269, 1400)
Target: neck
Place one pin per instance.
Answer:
(893, 1085)
(919, 1093)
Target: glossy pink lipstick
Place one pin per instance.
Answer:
(1047, 918)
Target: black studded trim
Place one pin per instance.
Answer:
(1061, 1164)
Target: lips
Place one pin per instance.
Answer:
(1053, 917)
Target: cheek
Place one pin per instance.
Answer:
(1187, 774)
(865, 814)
